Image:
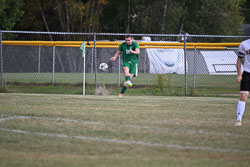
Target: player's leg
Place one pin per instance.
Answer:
(130, 71)
(244, 92)
(133, 71)
(241, 107)
(131, 76)
(127, 78)
(128, 75)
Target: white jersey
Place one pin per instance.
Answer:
(244, 52)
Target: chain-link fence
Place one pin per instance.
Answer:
(171, 64)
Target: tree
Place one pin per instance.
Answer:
(62, 15)
(245, 9)
(213, 17)
(173, 16)
(133, 16)
(10, 13)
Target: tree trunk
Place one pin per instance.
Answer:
(67, 15)
(183, 20)
(164, 17)
(128, 18)
(44, 19)
(47, 27)
(59, 9)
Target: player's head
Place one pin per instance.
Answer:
(128, 39)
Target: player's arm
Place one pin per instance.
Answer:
(116, 55)
(241, 53)
(239, 76)
(136, 51)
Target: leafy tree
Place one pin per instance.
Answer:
(245, 9)
(213, 17)
(10, 13)
(133, 16)
(173, 16)
(62, 15)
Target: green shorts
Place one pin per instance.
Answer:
(133, 67)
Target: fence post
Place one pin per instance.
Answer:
(39, 59)
(1, 57)
(95, 57)
(53, 67)
(144, 65)
(185, 65)
(194, 70)
(92, 60)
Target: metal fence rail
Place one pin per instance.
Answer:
(193, 64)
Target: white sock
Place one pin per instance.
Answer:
(240, 109)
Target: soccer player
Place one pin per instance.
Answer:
(243, 79)
(130, 51)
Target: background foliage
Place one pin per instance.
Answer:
(130, 16)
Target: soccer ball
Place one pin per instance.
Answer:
(103, 67)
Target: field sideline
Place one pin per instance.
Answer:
(72, 130)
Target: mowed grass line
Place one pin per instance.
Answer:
(203, 127)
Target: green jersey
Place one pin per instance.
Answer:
(127, 56)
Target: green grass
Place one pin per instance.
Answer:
(71, 130)
(112, 78)
(144, 84)
(154, 90)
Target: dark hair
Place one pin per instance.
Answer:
(128, 36)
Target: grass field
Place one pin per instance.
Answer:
(204, 85)
(71, 130)
(112, 78)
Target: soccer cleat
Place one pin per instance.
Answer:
(120, 95)
(238, 123)
(128, 83)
